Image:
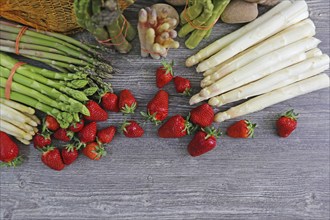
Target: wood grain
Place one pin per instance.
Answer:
(150, 178)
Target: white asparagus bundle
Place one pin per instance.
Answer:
(13, 130)
(18, 106)
(279, 95)
(287, 76)
(303, 29)
(16, 120)
(224, 41)
(156, 32)
(281, 20)
(259, 68)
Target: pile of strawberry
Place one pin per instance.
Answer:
(84, 136)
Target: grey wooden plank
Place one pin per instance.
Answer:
(150, 178)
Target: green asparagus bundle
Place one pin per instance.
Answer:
(104, 19)
(61, 95)
(58, 51)
(198, 20)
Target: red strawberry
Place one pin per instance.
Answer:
(77, 126)
(69, 154)
(94, 151)
(132, 129)
(175, 127)
(182, 85)
(164, 74)
(41, 140)
(127, 103)
(88, 133)
(203, 141)
(51, 157)
(106, 135)
(109, 101)
(96, 112)
(51, 123)
(286, 124)
(241, 129)
(63, 135)
(202, 115)
(157, 107)
(9, 151)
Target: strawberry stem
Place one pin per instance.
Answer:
(250, 127)
(291, 114)
(168, 66)
(212, 132)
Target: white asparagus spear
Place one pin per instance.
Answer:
(292, 74)
(279, 95)
(142, 27)
(150, 40)
(17, 132)
(259, 68)
(25, 127)
(23, 141)
(224, 41)
(34, 118)
(292, 34)
(16, 115)
(278, 22)
(18, 106)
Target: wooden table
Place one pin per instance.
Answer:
(266, 177)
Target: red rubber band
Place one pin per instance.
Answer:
(120, 34)
(18, 38)
(204, 28)
(10, 79)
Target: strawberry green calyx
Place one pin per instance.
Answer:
(14, 163)
(250, 126)
(168, 67)
(151, 117)
(47, 148)
(123, 126)
(129, 109)
(187, 92)
(70, 147)
(100, 151)
(188, 126)
(290, 114)
(212, 132)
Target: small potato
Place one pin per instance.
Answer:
(176, 2)
(240, 11)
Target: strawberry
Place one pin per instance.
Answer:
(175, 127)
(69, 154)
(132, 129)
(88, 133)
(109, 101)
(106, 135)
(164, 74)
(63, 135)
(77, 126)
(203, 141)
(287, 123)
(9, 151)
(182, 85)
(202, 115)
(96, 112)
(241, 129)
(157, 107)
(94, 151)
(51, 123)
(127, 103)
(41, 140)
(51, 157)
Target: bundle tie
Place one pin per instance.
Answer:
(203, 28)
(106, 42)
(10, 79)
(18, 38)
